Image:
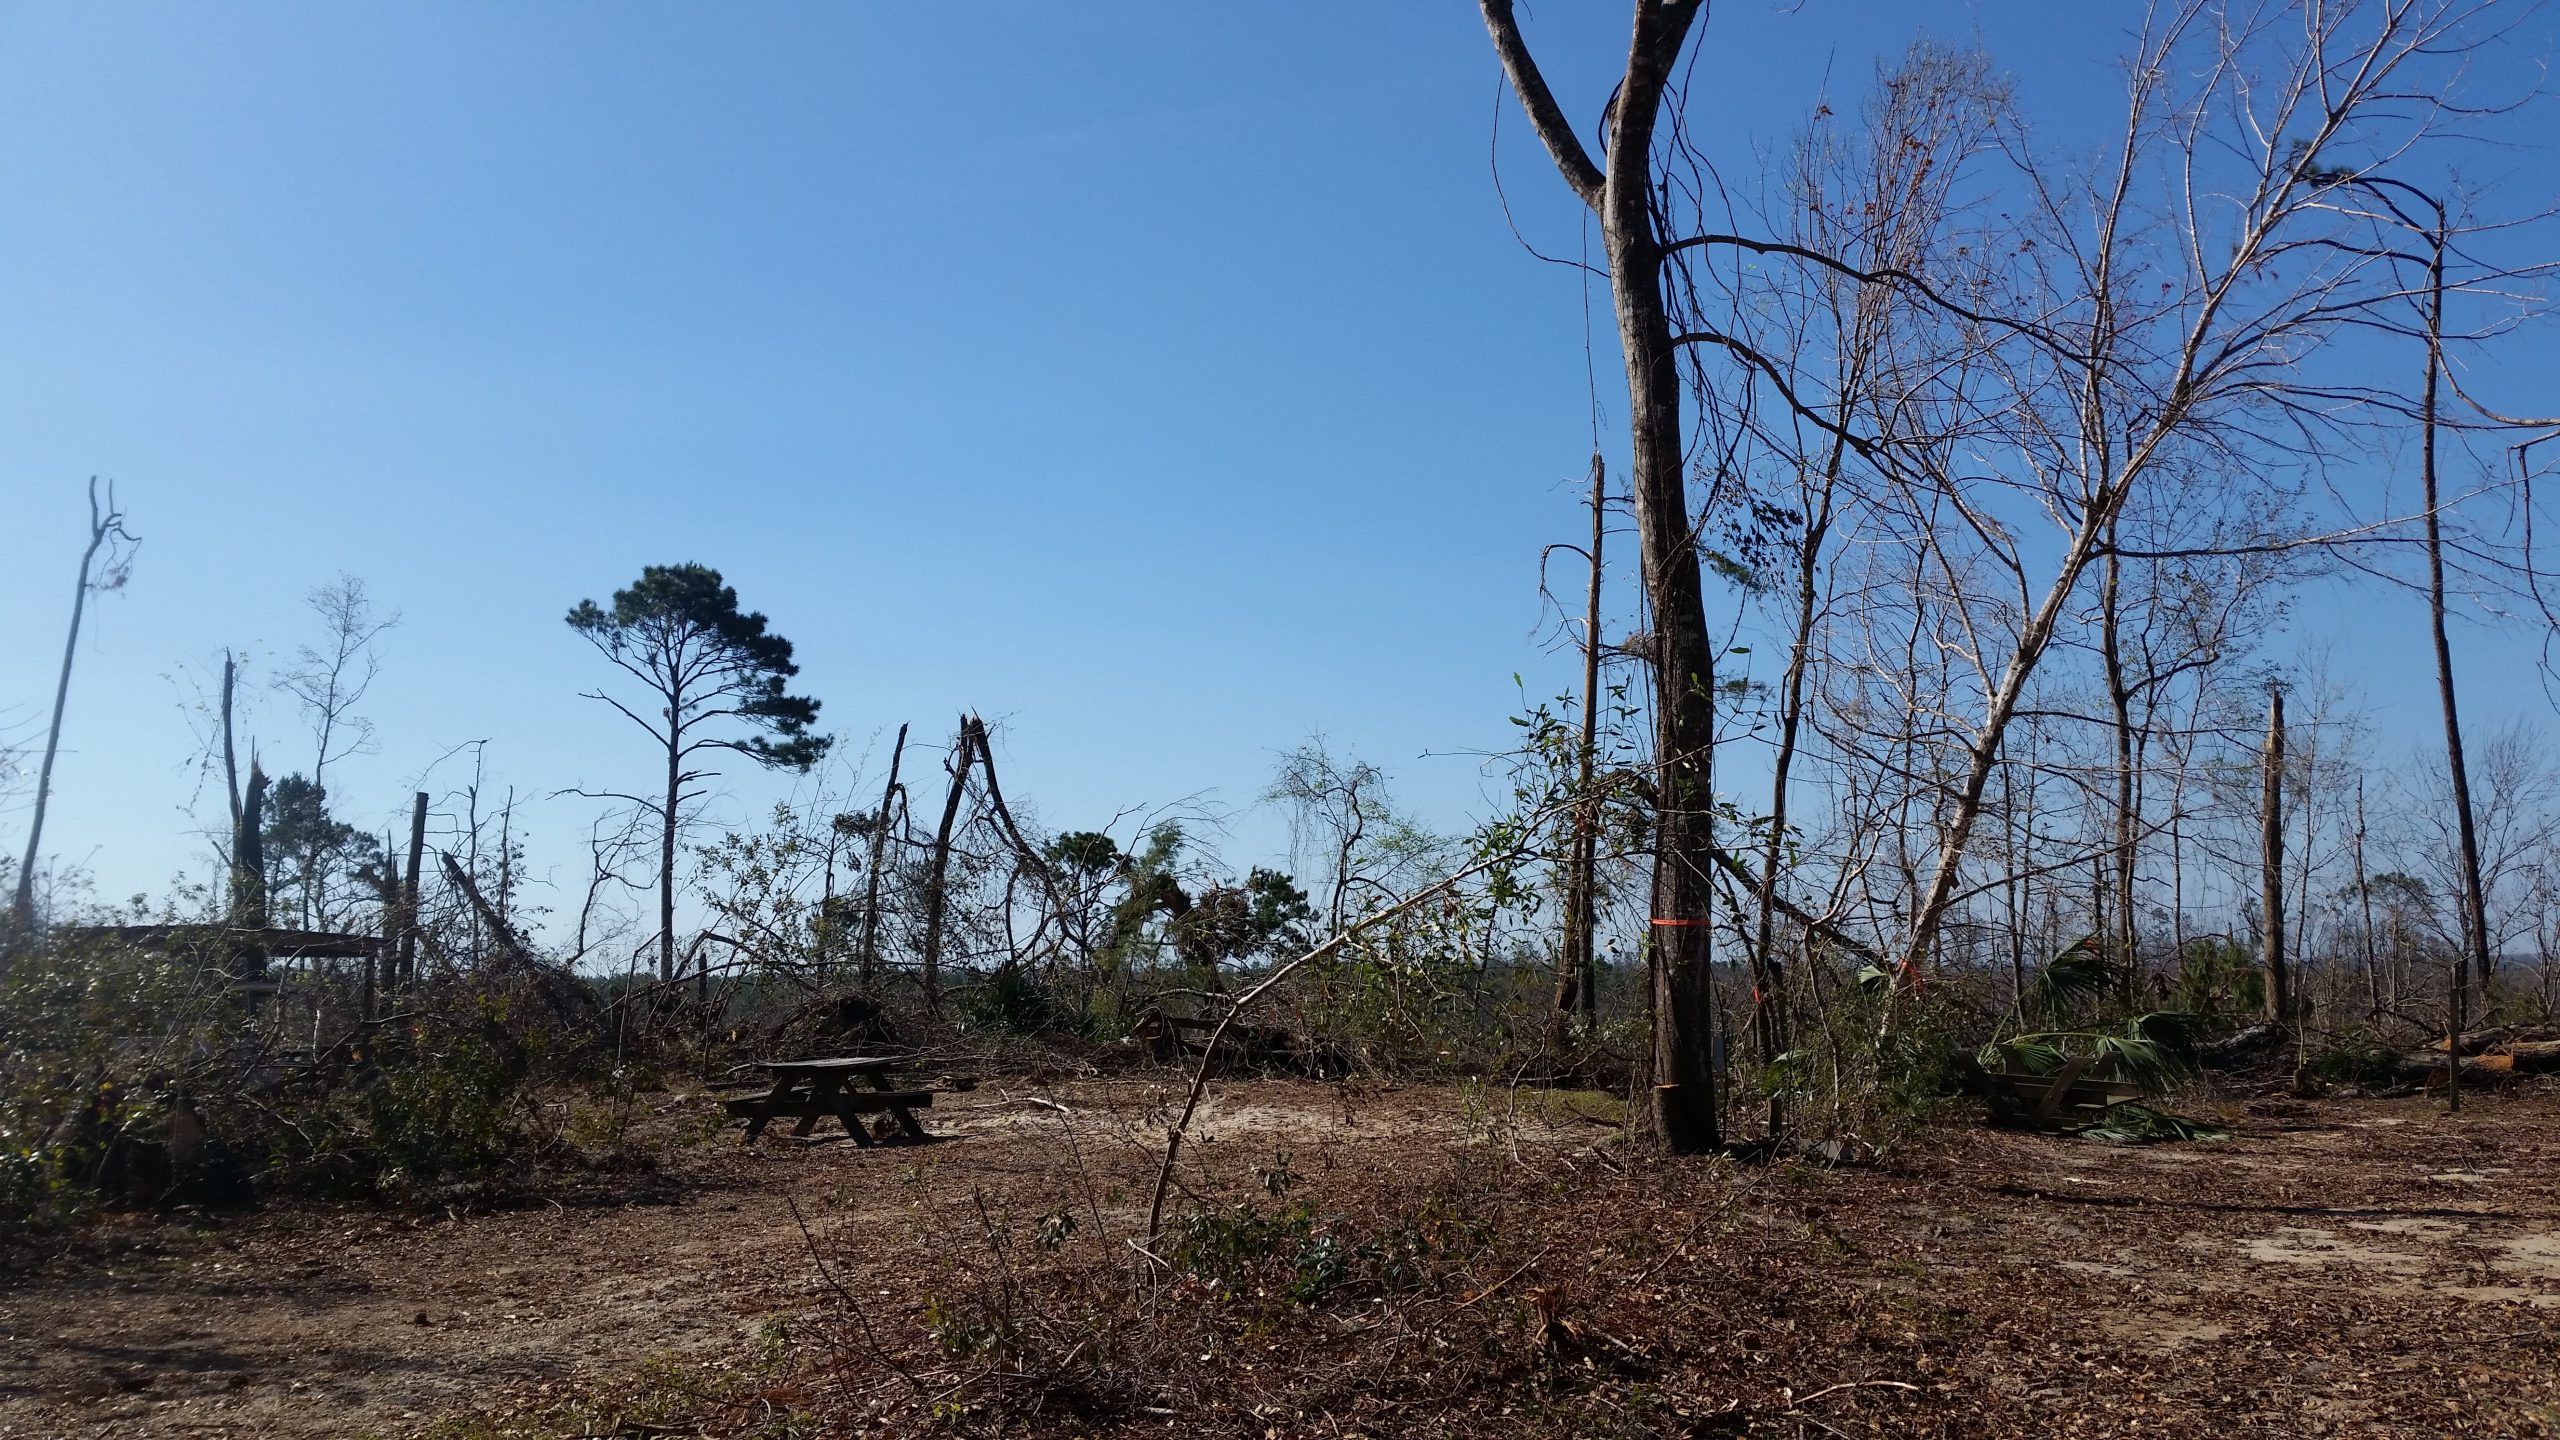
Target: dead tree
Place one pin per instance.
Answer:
(964, 752)
(891, 797)
(106, 525)
(249, 873)
(1577, 979)
(2271, 864)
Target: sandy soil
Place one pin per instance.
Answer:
(2363, 1267)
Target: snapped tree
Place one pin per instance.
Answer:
(106, 526)
(717, 677)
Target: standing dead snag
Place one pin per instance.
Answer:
(1619, 189)
(105, 525)
(1577, 979)
(2271, 863)
(890, 797)
(248, 898)
(964, 752)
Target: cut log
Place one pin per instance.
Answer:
(2427, 1071)
(2501, 1037)
(2251, 1046)
(2531, 1057)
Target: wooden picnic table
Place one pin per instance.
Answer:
(811, 1090)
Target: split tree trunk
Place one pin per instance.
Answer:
(870, 952)
(965, 751)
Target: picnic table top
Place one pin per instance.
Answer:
(839, 1063)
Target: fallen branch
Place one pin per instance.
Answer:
(1209, 1052)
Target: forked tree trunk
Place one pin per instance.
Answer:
(1684, 1109)
(870, 952)
(249, 874)
(937, 877)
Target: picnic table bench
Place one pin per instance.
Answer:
(2066, 1096)
(811, 1090)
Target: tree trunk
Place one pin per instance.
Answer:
(2364, 902)
(249, 875)
(1768, 982)
(1577, 983)
(870, 953)
(1684, 1109)
(965, 748)
(407, 973)
(2120, 703)
(230, 756)
(667, 821)
(2271, 864)
(22, 910)
(2474, 900)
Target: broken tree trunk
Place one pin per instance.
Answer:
(964, 753)
(870, 952)
(249, 874)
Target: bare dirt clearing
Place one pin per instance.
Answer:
(2366, 1268)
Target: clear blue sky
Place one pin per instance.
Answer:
(1162, 381)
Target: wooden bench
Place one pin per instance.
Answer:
(1171, 1037)
(812, 1090)
(2065, 1097)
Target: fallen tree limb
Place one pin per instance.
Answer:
(1733, 865)
(1209, 1052)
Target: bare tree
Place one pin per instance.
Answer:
(106, 528)
(328, 680)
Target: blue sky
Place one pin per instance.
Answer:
(1163, 382)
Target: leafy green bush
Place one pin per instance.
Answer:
(99, 1046)
(444, 1103)
(1013, 1001)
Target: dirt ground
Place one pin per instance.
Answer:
(2364, 1267)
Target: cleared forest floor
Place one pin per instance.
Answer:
(2337, 1268)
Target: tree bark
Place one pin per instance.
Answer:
(1684, 1109)
(2128, 810)
(667, 822)
(2474, 899)
(965, 749)
(230, 755)
(102, 524)
(870, 954)
(1577, 984)
(409, 890)
(2271, 864)
(249, 874)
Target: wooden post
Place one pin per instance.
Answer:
(406, 975)
(2271, 863)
